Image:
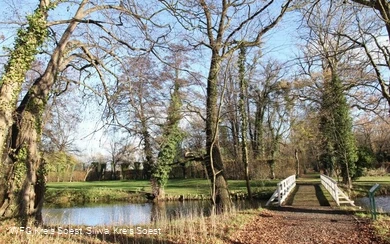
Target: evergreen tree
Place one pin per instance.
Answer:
(336, 127)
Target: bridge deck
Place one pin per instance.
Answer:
(310, 193)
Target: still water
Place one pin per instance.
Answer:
(131, 213)
(382, 203)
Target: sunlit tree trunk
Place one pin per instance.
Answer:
(258, 143)
(244, 118)
(214, 163)
(26, 184)
(21, 57)
(298, 174)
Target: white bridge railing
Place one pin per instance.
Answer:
(283, 190)
(337, 194)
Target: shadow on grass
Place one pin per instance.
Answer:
(290, 198)
(320, 196)
(323, 201)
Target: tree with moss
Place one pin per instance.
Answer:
(222, 27)
(172, 137)
(336, 127)
(13, 200)
(23, 184)
(21, 57)
(25, 199)
(332, 55)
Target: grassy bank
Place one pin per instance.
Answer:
(134, 191)
(194, 229)
(382, 228)
(362, 185)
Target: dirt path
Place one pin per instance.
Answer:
(308, 225)
(309, 217)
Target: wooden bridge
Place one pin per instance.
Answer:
(307, 191)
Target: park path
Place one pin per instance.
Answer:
(309, 193)
(307, 217)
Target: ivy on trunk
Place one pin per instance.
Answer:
(172, 137)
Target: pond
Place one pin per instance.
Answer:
(382, 203)
(131, 213)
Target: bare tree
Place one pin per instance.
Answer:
(20, 60)
(372, 21)
(334, 55)
(136, 102)
(25, 172)
(221, 28)
(264, 83)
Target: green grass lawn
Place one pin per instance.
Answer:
(119, 190)
(174, 186)
(135, 185)
(371, 180)
(362, 185)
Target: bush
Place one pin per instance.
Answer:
(366, 159)
(382, 171)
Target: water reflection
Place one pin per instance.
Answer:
(382, 203)
(131, 213)
(98, 215)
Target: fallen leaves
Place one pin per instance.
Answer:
(301, 227)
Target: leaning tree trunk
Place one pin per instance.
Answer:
(21, 57)
(214, 162)
(26, 177)
(24, 193)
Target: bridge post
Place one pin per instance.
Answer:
(283, 189)
(371, 195)
(336, 193)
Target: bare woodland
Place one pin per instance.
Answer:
(179, 82)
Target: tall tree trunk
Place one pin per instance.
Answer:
(250, 124)
(235, 137)
(147, 165)
(244, 119)
(258, 145)
(347, 180)
(24, 198)
(169, 150)
(271, 164)
(297, 163)
(21, 57)
(26, 180)
(274, 152)
(214, 162)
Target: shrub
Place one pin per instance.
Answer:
(382, 171)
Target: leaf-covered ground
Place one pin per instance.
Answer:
(306, 225)
(311, 216)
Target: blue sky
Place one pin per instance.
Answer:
(278, 44)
